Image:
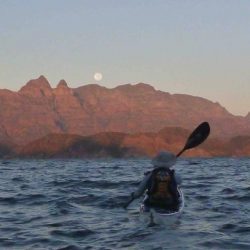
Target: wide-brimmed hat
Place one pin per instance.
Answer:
(164, 159)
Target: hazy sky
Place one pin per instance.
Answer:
(197, 47)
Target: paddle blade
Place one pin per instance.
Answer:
(198, 136)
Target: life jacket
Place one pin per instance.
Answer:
(162, 185)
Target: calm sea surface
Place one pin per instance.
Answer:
(76, 204)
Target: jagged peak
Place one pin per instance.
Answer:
(42, 78)
(62, 84)
(40, 83)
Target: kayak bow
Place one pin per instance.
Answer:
(159, 215)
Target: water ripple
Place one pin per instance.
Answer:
(77, 204)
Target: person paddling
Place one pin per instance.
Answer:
(161, 183)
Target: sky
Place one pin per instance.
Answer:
(194, 47)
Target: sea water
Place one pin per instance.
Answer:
(77, 204)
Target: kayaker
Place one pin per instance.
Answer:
(161, 183)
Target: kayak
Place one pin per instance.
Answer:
(159, 215)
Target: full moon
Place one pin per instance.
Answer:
(98, 76)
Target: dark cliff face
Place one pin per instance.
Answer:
(38, 110)
(113, 144)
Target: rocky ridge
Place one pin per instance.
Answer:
(37, 110)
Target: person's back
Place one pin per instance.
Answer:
(162, 189)
(160, 183)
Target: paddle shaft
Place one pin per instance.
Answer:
(182, 151)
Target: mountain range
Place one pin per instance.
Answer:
(135, 115)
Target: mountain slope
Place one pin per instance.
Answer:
(37, 110)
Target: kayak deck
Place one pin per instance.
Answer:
(159, 215)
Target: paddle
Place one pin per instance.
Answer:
(198, 136)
